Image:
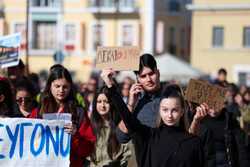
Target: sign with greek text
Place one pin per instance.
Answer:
(9, 50)
(201, 91)
(33, 142)
(118, 58)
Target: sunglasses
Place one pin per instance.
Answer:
(24, 99)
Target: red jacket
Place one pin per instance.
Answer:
(82, 142)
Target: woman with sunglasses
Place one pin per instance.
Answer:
(25, 99)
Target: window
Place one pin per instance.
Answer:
(160, 36)
(172, 35)
(46, 3)
(246, 37)
(107, 3)
(83, 36)
(218, 36)
(174, 6)
(244, 78)
(44, 36)
(127, 35)
(20, 27)
(112, 3)
(127, 3)
(182, 41)
(182, 38)
(102, 3)
(97, 36)
(172, 41)
(70, 33)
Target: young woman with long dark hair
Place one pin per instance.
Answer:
(108, 151)
(59, 97)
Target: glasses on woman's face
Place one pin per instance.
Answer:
(19, 100)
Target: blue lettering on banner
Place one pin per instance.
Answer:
(32, 141)
(22, 137)
(47, 140)
(1, 156)
(55, 142)
(13, 138)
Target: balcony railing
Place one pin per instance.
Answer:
(111, 6)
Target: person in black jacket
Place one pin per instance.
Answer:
(227, 139)
(167, 145)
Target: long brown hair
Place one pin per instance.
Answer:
(98, 125)
(48, 102)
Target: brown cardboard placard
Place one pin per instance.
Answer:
(118, 58)
(201, 91)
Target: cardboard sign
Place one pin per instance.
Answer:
(201, 91)
(9, 50)
(66, 117)
(118, 58)
(33, 143)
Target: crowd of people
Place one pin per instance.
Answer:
(139, 122)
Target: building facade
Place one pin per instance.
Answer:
(221, 37)
(77, 27)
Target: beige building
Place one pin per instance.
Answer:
(172, 28)
(77, 27)
(221, 37)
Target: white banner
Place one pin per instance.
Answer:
(33, 142)
(9, 50)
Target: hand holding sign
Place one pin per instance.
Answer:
(107, 75)
(70, 128)
(201, 112)
(118, 58)
(201, 91)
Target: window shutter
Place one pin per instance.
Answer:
(140, 36)
(83, 35)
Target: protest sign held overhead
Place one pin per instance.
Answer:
(201, 91)
(118, 58)
(9, 50)
(33, 143)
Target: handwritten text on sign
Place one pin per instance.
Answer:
(118, 58)
(33, 142)
(201, 91)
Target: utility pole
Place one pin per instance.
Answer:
(117, 3)
(27, 36)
